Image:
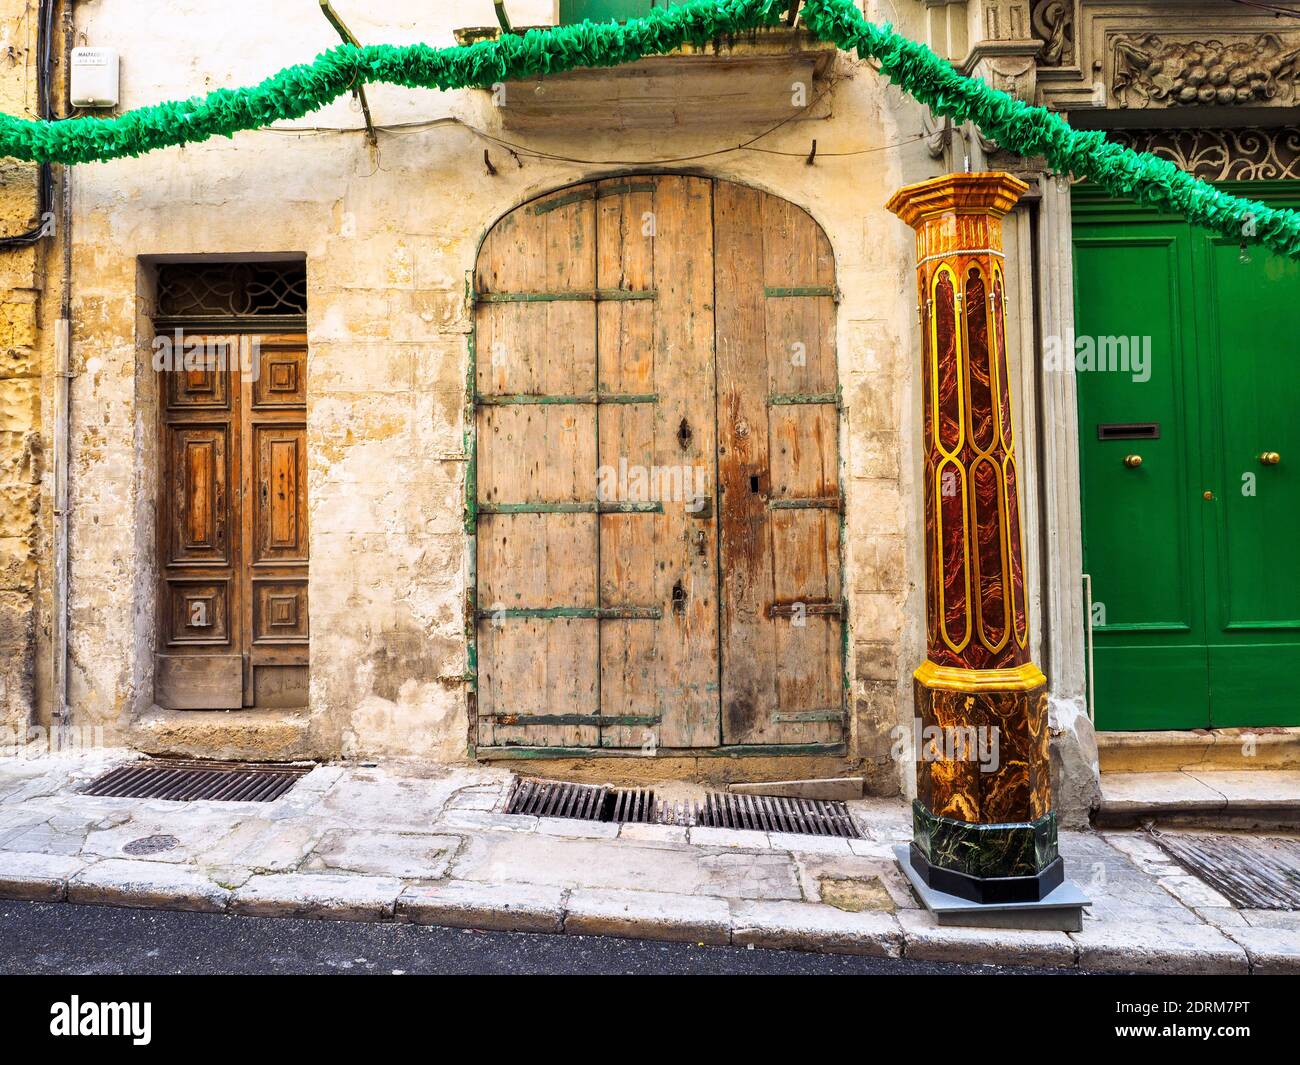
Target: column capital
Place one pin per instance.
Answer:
(990, 193)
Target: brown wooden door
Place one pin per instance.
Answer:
(233, 527)
(620, 466)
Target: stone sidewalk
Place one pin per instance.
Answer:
(422, 843)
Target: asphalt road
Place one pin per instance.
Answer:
(46, 938)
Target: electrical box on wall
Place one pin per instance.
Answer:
(94, 77)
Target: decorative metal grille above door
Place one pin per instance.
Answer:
(656, 497)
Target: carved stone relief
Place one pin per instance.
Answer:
(1152, 71)
(1053, 24)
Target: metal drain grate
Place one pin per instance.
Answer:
(763, 813)
(1253, 872)
(183, 781)
(768, 813)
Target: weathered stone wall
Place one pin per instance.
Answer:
(20, 388)
(389, 237)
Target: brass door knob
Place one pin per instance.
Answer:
(1207, 495)
(1270, 458)
(1132, 461)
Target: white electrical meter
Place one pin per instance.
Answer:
(94, 77)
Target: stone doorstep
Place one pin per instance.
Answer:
(1261, 796)
(1199, 749)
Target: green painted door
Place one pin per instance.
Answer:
(1186, 359)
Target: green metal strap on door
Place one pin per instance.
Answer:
(772, 292)
(590, 194)
(603, 506)
(817, 503)
(552, 613)
(599, 295)
(791, 399)
(535, 720)
(529, 398)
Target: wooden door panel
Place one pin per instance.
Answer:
(656, 450)
(279, 502)
(200, 629)
(207, 384)
(198, 475)
(535, 342)
(280, 380)
(778, 440)
(749, 659)
(685, 438)
(280, 611)
(198, 613)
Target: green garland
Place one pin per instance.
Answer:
(299, 90)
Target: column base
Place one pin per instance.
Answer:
(994, 889)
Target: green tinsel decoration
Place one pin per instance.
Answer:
(301, 89)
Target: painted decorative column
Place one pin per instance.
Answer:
(983, 823)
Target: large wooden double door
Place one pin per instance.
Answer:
(656, 496)
(232, 524)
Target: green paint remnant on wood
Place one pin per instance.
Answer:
(773, 292)
(599, 295)
(582, 507)
(791, 399)
(600, 613)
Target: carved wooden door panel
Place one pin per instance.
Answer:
(232, 525)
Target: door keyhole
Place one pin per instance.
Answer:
(679, 598)
(684, 434)
(753, 483)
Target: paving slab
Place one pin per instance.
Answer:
(147, 885)
(566, 826)
(37, 877)
(330, 896)
(1166, 949)
(925, 940)
(404, 855)
(495, 907)
(797, 842)
(661, 834)
(808, 926)
(648, 915)
(265, 845)
(620, 864)
(744, 838)
(1192, 891)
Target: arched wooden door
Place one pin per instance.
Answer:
(656, 497)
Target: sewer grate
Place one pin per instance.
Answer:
(183, 781)
(1253, 872)
(762, 813)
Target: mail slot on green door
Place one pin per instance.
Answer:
(1185, 357)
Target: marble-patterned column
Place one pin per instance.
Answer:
(983, 823)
